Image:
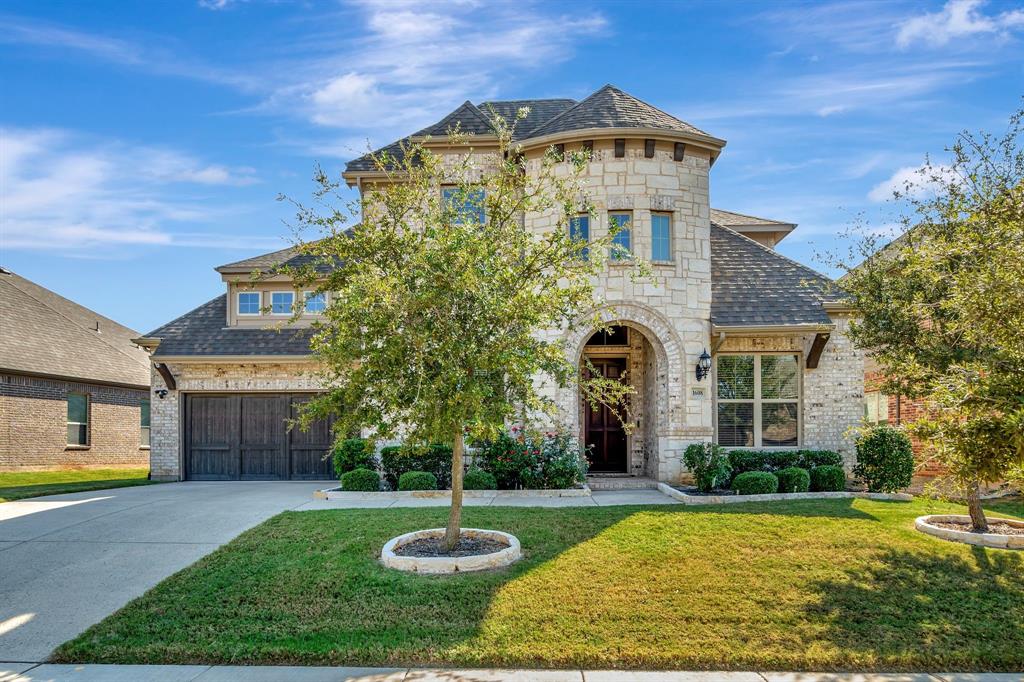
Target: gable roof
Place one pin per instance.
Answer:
(753, 285)
(290, 257)
(46, 334)
(466, 117)
(732, 220)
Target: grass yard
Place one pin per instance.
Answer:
(811, 585)
(18, 485)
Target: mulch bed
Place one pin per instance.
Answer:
(996, 527)
(466, 546)
(689, 490)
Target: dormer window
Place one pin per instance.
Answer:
(316, 303)
(249, 303)
(282, 302)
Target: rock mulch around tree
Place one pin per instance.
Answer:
(466, 546)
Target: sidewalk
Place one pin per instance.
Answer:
(598, 498)
(202, 673)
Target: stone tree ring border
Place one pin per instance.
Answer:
(663, 339)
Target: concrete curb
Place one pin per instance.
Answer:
(777, 497)
(996, 540)
(339, 494)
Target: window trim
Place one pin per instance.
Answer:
(305, 302)
(147, 428)
(757, 400)
(629, 232)
(259, 304)
(671, 230)
(292, 306)
(87, 423)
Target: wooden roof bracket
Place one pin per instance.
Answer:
(168, 378)
(717, 343)
(817, 346)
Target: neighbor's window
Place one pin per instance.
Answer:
(315, 302)
(144, 423)
(661, 236)
(876, 408)
(282, 302)
(758, 399)
(621, 242)
(467, 204)
(579, 230)
(78, 419)
(249, 303)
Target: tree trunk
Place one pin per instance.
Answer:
(451, 535)
(978, 520)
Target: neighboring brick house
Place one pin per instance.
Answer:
(783, 373)
(74, 389)
(895, 410)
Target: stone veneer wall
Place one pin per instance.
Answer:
(166, 429)
(832, 393)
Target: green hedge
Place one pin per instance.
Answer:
(478, 479)
(351, 454)
(755, 483)
(395, 460)
(793, 480)
(774, 460)
(828, 478)
(417, 480)
(885, 460)
(363, 480)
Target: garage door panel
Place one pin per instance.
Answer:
(263, 446)
(210, 453)
(309, 448)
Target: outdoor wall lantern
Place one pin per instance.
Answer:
(703, 365)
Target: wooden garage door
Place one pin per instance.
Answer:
(246, 437)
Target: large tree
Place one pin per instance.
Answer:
(941, 308)
(439, 295)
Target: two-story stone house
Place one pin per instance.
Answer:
(782, 373)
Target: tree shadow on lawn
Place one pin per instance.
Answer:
(839, 508)
(961, 607)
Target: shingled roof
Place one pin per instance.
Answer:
(753, 285)
(731, 219)
(203, 332)
(43, 333)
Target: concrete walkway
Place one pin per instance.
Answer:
(200, 673)
(68, 561)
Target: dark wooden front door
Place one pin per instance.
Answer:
(246, 437)
(604, 433)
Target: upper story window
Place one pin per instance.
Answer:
(661, 236)
(579, 231)
(144, 423)
(467, 204)
(282, 302)
(758, 400)
(249, 303)
(622, 242)
(876, 408)
(315, 302)
(78, 419)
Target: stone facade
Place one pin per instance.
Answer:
(33, 425)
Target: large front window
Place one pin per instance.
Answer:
(758, 398)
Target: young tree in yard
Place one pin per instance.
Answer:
(438, 295)
(942, 309)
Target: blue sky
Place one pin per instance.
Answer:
(144, 144)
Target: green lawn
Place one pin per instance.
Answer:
(813, 585)
(21, 484)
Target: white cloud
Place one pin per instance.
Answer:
(915, 181)
(59, 192)
(957, 19)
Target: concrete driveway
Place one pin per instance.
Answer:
(68, 561)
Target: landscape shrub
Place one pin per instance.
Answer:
(793, 480)
(532, 460)
(361, 479)
(395, 460)
(417, 480)
(885, 460)
(828, 478)
(709, 465)
(478, 479)
(782, 459)
(742, 461)
(755, 483)
(810, 459)
(351, 454)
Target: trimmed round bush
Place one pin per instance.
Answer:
(793, 480)
(362, 480)
(351, 454)
(395, 460)
(828, 479)
(478, 479)
(417, 480)
(755, 483)
(885, 460)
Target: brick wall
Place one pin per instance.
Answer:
(33, 425)
(902, 411)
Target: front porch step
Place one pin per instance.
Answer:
(598, 482)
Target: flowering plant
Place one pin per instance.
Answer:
(521, 458)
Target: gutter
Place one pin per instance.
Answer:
(744, 330)
(211, 359)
